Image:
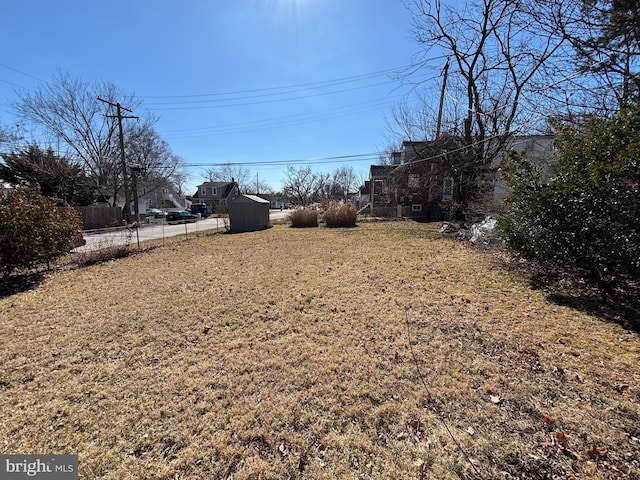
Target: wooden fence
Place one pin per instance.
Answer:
(100, 217)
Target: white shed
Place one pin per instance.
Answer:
(248, 213)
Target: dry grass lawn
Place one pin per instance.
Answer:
(316, 354)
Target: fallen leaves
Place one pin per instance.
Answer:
(597, 453)
(561, 438)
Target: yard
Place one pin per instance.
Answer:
(382, 351)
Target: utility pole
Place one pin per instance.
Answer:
(123, 160)
(445, 73)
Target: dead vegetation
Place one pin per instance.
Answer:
(317, 353)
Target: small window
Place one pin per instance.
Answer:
(413, 181)
(203, 191)
(416, 207)
(377, 186)
(214, 191)
(447, 188)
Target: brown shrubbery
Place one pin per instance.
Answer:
(340, 215)
(303, 218)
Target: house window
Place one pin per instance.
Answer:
(413, 181)
(214, 192)
(416, 207)
(203, 191)
(377, 186)
(447, 188)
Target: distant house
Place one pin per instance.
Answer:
(164, 197)
(152, 195)
(381, 196)
(361, 198)
(216, 195)
(276, 201)
(539, 150)
(425, 175)
(429, 174)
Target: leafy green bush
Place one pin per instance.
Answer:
(341, 215)
(303, 218)
(34, 230)
(588, 216)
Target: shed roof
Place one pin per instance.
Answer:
(249, 199)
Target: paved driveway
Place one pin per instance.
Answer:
(123, 236)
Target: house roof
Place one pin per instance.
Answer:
(227, 186)
(214, 184)
(381, 170)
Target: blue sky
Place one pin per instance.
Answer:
(231, 80)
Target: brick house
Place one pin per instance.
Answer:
(426, 175)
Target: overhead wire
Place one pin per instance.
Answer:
(369, 156)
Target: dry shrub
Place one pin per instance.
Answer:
(341, 215)
(303, 218)
(85, 259)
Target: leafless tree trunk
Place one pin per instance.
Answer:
(498, 52)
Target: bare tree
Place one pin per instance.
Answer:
(264, 188)
(345, 180)
(604, 36)
(153, 157)
(497, 52)
(323, 188)
(300, 184)
(7, 135)
(69, 109)
(228, 172)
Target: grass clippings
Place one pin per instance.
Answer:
(294, 353)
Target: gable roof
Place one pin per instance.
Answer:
(214, 184)
(225, 187)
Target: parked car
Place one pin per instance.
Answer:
(181, 216)
(156, 212)
(199, 208)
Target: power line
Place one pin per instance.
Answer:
(271, 90)
(279, 122)
(21, 72)
(359, 157)
(331, 82)
(199, 104)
